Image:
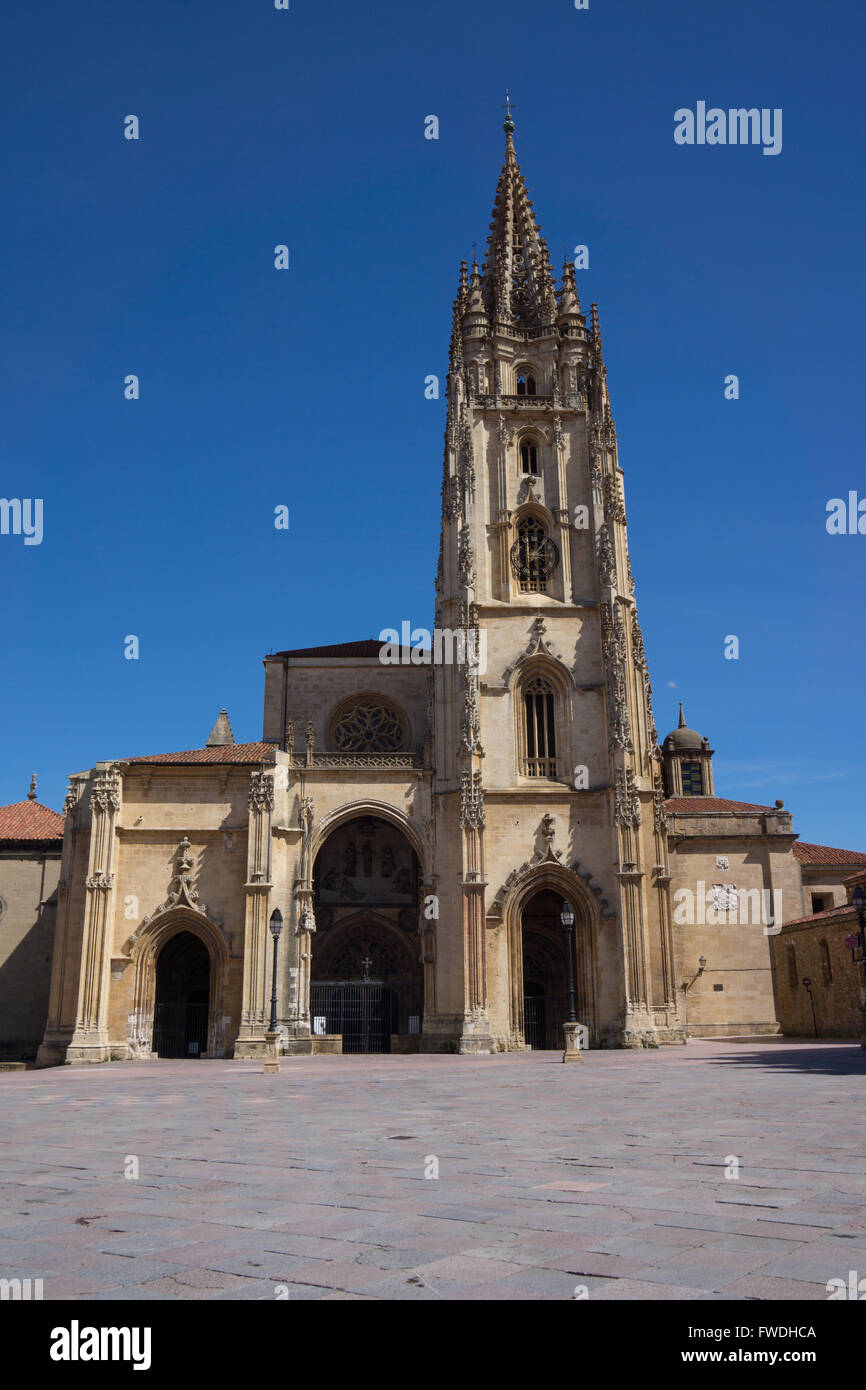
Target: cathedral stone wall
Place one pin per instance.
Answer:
(718, 858)
(307, 691)
(532, 781)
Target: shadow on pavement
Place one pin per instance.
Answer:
(839, 1059)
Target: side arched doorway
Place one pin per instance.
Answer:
(180, 1014)
(365, 975)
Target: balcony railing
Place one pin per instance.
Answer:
(399, 761)
(540, 767)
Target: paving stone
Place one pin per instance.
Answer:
(617, 1172)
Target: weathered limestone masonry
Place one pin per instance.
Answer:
(534, 551)
(139, 836)
(311, 701)
(421, 824)
(720, 846)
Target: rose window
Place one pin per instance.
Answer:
(368, 728)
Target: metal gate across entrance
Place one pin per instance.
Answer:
(365, 1013)
(180, 1030)
(543, 1017)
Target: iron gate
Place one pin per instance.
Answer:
(180, 1030)
(543, 1017)
(365, 1013)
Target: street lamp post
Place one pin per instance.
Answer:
(272, 1060)
(858, 900)
(571, 1027)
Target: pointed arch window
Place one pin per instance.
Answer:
(534, 556)
(539, 729)
(529, 457)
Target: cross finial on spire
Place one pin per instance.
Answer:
(31, 795)
(509, 121)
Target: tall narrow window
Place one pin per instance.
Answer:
(539, 729)
(826, 966)
(792, 968)
(526, 384)
(691, 774)
(534, 557)
(529, 457)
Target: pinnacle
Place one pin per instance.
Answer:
(221, 735)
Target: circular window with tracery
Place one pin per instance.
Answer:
(534, 557)
(368, 727)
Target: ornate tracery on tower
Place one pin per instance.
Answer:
(533, 517)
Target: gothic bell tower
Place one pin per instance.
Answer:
(547, 766)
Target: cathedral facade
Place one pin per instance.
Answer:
(418, 820)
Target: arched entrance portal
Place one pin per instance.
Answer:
(180, 1015)
(365, 976)
(545, 972)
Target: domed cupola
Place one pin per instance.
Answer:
(688, 762)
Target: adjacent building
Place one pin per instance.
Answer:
(31, 838)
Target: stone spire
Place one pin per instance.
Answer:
(221, 735)
(31, 795)
(682, 724)
(569, 300)
(517, 283)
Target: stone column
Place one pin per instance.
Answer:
(60, 1023)
(639, 1022)
(255, 1010)
(89, 1042)
(476, 1035)
(427, 933)
(299, 1031)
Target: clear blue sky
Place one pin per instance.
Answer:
(305, 388)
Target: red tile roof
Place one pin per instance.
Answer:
(707, 805)
(229, 753)
(824, 854)
(30, 820)
(829, 913)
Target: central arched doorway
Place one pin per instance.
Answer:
(545, 972)
(180, 1015)
(365, 976)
